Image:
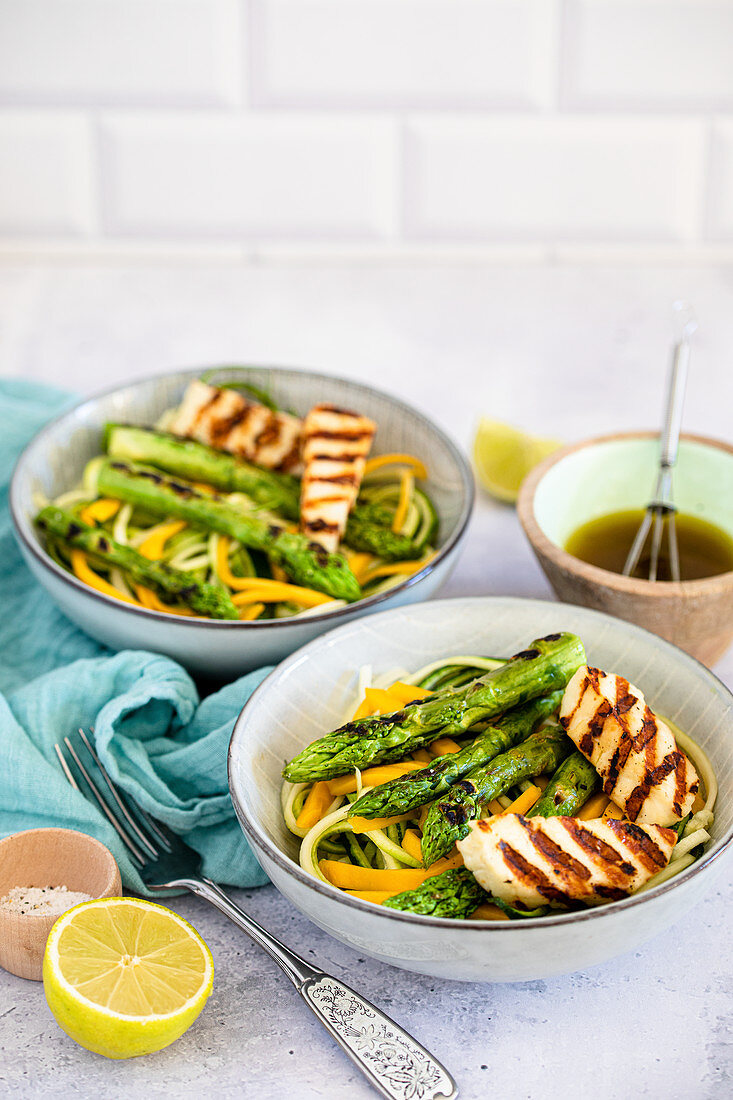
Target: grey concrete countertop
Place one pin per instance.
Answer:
(565, 352)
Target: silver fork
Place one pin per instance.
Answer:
(394, 1063)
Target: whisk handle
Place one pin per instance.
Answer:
(675, 399)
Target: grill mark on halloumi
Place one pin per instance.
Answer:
(335, 446)
(344, 434)
(226, 419)
(207, 405)
(571, 869)
(652, 777)
(595, 727)
(640, 844)
(644, 742)
(597, 849)
(268, 435)
(346, 457)
(632, 749)
(680, 786)
(563, 861)
(530, 875)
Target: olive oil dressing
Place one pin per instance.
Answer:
(705, 550)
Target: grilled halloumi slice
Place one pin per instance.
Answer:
(561, 861)
(633, 750)
(226, 419)
(335, 447)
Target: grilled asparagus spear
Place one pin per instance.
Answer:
(545, 667)
(304, 561)
(208, 599)
(368, 527)
(199, 462)
(453, 894)
(448, 818)
(417, 788)
(569, 788)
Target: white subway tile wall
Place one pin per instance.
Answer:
(281, 175)
(45, 173)
(399, 53)
(655, 54)
(393, 126)
(562, 178)
(720, 210)
(142, 52)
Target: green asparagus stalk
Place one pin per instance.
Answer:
(545, 667)
(453, 894)
(198, 462)
(207, 599)
(417, 788)
(569, 788)
(448, 818)
(306, 562)
(369, 528)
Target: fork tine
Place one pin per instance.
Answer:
(156, 828)
(67, 769)
(113, 791)
(124, 837)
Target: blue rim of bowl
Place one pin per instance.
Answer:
(260, 841)
(441, 554)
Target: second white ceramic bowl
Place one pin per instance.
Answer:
(55, 459)
(311, 693)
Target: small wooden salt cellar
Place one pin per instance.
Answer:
(47, 857)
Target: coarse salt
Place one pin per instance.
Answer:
(42, 901)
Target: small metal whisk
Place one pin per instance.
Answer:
(662, 507)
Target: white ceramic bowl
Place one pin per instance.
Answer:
(309, 693)
(55, 459)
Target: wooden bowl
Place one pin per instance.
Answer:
(616, 472)
(47, 857)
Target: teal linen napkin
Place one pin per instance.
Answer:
(157, 740)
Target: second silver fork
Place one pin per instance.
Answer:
(394, 1063)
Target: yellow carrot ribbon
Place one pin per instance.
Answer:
(154, 545)
(99, 511)
(82, 570)
(396, 459)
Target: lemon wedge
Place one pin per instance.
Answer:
(503, 456)
(125, 977)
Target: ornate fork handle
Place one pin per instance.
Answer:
(395, 1064)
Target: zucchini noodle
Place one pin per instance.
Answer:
(67, 500)
(481, 664)
(334, 822)
(309, 612)
(688, 842)
(398, 856)
(119, 527)
(289, 794)
(349, 854)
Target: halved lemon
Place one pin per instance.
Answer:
(125, 977)
(503, 456)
